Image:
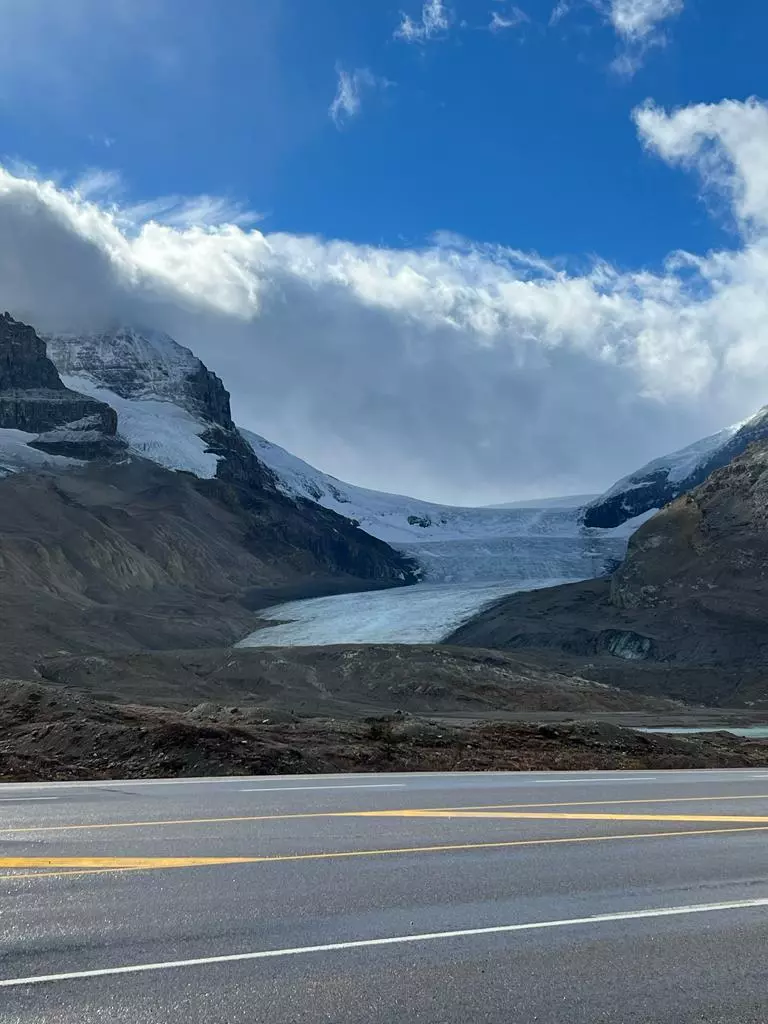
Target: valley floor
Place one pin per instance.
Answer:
(50, 734)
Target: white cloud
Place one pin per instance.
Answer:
(189, 212)
(637, 24)
(559, 11)
(726, 142)
(513, 17)
(456, 371)
(435, 20)
(99, 183)
(636, 20)
(349, 89)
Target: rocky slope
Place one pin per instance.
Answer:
(685, 614)
(346, 682)
(126, 555)
(666, 478)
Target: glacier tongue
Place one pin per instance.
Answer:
(413, 615)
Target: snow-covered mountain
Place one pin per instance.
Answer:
(664, 479)
(164, 396)
(399, 519)
(173, 410)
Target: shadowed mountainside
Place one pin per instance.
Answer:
(116, 556)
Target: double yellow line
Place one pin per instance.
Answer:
(37, 867)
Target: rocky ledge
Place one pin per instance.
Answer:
(33, 399)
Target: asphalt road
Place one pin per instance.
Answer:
(433, 898)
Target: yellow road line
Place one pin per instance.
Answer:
(564, 816)
(356, 814)
(122, 864)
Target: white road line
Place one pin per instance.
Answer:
(395, 940)
(680, 774)
(24, 799)
(588, 782)
(308, 789)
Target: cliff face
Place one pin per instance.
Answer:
(33, 399)
(24, 364)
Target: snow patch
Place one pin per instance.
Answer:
(155, 429)
(17, 457)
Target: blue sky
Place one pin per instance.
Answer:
(519, 137)
(449, 144)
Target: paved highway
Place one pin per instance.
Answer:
(589, 897)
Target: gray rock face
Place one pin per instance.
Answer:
(24, 364)
(33, 399)
(144, 364)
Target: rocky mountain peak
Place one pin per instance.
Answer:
(666, 478)
(34, 400)
(24, 362)
(139, 363)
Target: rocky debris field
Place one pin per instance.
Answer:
(51, 734)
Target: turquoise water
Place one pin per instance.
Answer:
(754, 731)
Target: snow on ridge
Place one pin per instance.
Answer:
(136, 363)
(676, 466)
(409, 523)
(400, 520)
(155, 428)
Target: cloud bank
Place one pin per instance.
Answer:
(457, 371)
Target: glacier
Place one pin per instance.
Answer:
(468, 556)
(421, 614)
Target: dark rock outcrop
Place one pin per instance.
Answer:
(33, 399)
(24, 364)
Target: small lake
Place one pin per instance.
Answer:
(756, 732)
